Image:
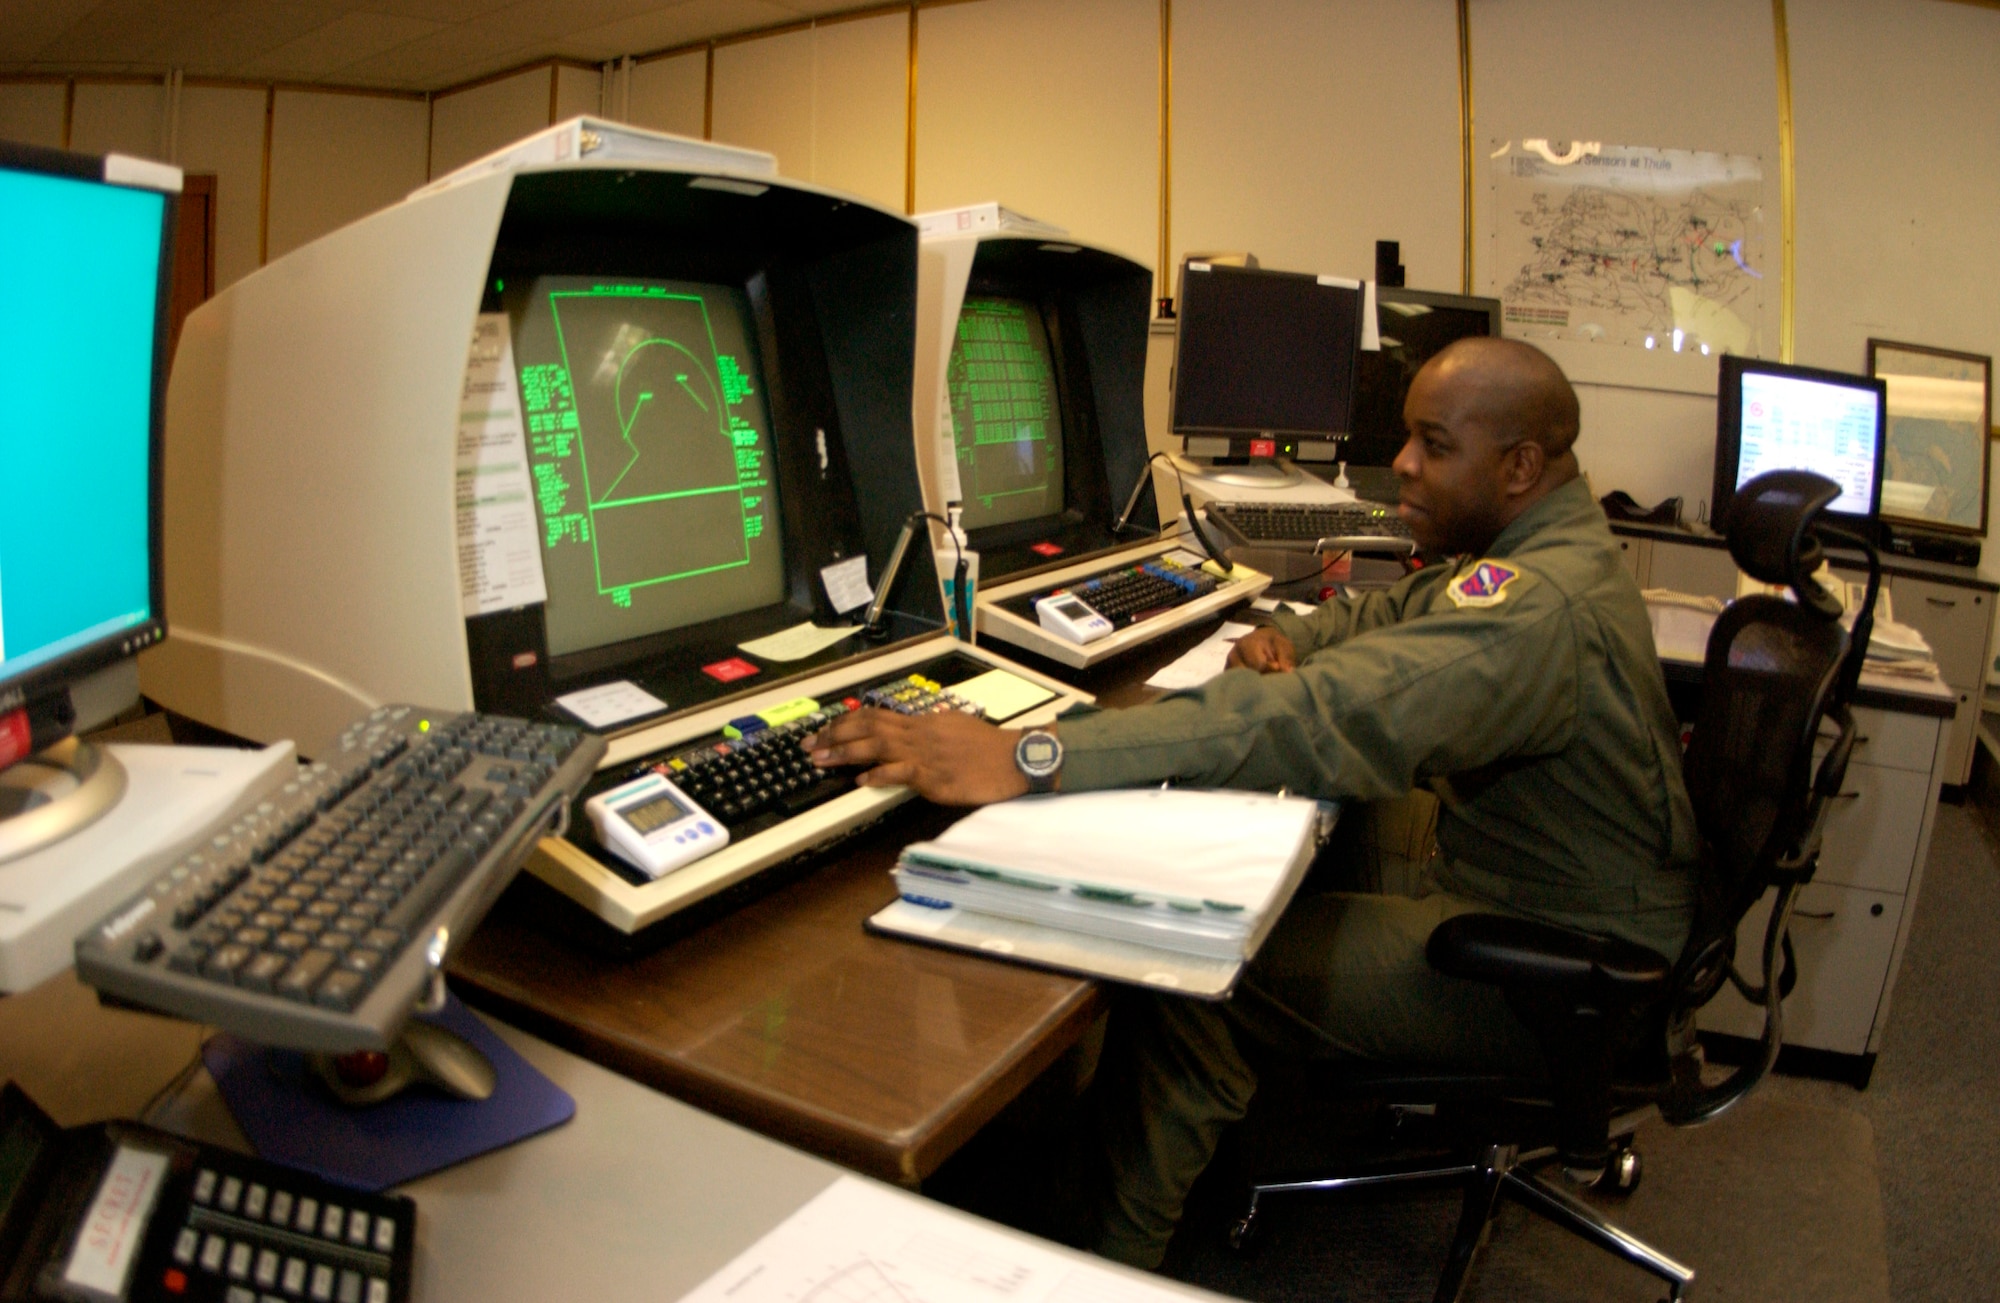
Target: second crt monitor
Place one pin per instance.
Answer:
(1030, 419)
(1776, 416)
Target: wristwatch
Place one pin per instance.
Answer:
(1039, 757)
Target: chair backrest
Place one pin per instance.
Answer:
(1776, 671)
(1773, 673)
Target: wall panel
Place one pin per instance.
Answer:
(577, 91)
(222, 131)
(1305, 131)
(1048, 107)
(124, 117)
(764, 98)
(861, 105)
(670, 94)
(338, 157)
(470, 123)
(1631, 75)
(32, 112)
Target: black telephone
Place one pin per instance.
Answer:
(124, 1211)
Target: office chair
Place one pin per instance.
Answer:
(1615, 1020)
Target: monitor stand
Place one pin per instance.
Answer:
(1256, 473)
(56, 792)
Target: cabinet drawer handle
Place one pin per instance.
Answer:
(1806, 913)
(1848, 796)
(1941, 601)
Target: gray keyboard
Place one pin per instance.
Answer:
(1316, 527)
(315, 921)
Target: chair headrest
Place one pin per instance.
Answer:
(1769, 526)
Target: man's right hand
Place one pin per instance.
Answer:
(1264, 650)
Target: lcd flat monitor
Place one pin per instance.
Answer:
(85, 275)
(1415, 326)
(1775, 416)
(1264, 361)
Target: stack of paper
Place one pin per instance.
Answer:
(1195, 873)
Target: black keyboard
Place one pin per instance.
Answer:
(1318, 527)
(1129, 594)
(316, 920)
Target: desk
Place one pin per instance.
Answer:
(639, 1198)
(786, 1017)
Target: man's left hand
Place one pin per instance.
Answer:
(949, 758)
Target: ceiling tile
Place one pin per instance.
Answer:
(693, 20)
(27, 27)
(350, 39)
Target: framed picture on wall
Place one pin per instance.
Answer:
(1940, 416)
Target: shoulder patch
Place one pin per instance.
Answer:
(1485, 584)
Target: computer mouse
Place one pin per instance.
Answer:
(421, 1053)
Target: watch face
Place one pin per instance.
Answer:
(1038, 754)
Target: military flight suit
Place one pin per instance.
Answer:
(1521, 686)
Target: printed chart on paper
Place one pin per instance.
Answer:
(859, 1243)
(1649, 248)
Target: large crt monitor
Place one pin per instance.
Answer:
(85, 266)
(1775, 416)
(542, 430)
(1030, 388)
(1415, 326)
(1264, 362)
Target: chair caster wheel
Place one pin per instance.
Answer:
(1621, 1174)
(1243, 1232)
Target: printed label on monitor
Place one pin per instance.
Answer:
(1792, 423)
(1006, 421)
(649, 445)
(499, 565)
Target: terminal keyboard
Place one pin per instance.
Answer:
(1129, 594)
(316, 920)
(1313, 527)
(754, 775)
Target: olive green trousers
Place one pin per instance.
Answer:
(1342, 977)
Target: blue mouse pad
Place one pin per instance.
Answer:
(290, 1117)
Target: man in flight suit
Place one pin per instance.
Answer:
(1517, 680)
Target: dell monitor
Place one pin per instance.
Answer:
(1776, 416)
(1264, 367)
(86, 258)
(1415, 326)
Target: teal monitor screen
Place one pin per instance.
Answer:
(80, 286)
(649, 447)
(1006, 421)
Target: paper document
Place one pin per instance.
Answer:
(798, 642)
(847, 584)
(1002, 695)
(858, 1242)
(610, 703)
(1199, 663)
(499, 553)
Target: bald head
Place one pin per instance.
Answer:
(1517, 388)
(1492, 423)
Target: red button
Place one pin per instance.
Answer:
(1263, 447)
(1046, 549)
(730, 670)
(175, 1280)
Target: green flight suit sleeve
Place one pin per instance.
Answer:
(1369, 716)
(1340, 618)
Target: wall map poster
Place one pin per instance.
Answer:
(1619, 244)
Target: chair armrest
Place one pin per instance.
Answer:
(1524, 954)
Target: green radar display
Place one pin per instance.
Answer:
(1005, 420)
(649, 444)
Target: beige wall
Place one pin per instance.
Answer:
(338, 157)
(32, 112)
(577, 92)
(222, 132)
(1050, 107)
(126, 118)
(469, 123)
(670, 94)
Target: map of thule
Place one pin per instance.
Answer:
(1653, 248)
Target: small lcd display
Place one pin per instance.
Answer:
(1792, 423)
(656, 811)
